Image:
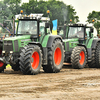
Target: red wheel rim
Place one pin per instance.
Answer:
(57, 56)
(35, 60)
(1, 64)
(82, 57)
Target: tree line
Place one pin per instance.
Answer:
(94, 17)
(58, 10)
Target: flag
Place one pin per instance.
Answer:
(54, 30)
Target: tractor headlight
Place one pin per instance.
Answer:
(11, 51)
(3, 51)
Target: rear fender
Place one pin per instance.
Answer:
(94, 43)
(51, 40)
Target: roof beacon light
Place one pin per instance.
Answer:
(93, 20)
(21, 11)
(70, 20)
(48, 11)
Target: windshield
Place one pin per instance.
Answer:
(27, 27)
(76, 32)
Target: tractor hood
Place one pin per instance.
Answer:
(70, 43)
(70, 40)
(15, 43)
(18, 37)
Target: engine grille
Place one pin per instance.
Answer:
(8, 46)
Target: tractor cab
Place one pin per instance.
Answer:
(34, 25)
(80, 31)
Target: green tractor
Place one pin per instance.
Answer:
(33, 47)
(81, 45)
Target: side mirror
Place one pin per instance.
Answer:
(4, 24)
(46, 25)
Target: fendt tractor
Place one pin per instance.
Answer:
(33, 47)
(82, 47)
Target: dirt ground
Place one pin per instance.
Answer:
(68, 84)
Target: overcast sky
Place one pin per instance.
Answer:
(82, 7)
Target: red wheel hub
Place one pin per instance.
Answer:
(57, 56)
(35, 60)
(82, 57)
(1, 64)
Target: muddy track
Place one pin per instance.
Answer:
(69, 84)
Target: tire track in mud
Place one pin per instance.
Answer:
(69, 83)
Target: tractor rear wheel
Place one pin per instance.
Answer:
(98, 55)
(32, 60)
(55, 57)
(79, 57)
(95, 62)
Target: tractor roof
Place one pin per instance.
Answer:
(78, 24)
(33, 16)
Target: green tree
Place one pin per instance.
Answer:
(58, 10)
(29, 8)
(5, 12)
(13, 5)
(96, 17)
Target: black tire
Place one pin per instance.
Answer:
(55, 65)
(92, 63)
(15, 67)
(95, 61)
(76, 61)
(27, 67)
(21, 59)
(98, 55)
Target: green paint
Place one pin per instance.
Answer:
(22, 41)
(45, 40)
(18, 37)
(89, 43)
(72, 43)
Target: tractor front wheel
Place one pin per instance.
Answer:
(32, 60)
(79, 57)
